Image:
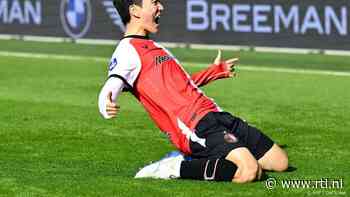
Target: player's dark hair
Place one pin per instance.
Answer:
(122, 7)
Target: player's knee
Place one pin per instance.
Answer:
(282, 164)
(276, 159)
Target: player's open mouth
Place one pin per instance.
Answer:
(156, 19)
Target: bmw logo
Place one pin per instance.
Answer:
(76, 17)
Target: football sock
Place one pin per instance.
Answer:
(209, 170)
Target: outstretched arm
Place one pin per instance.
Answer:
(212, 73)
(218, 70)
(108, 96)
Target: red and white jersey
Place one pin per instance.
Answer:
(170, 96)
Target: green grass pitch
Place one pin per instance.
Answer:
(54, 143)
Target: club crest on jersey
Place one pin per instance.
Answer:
(112, 64)
(161, 59)
(230, 138)
(76, 17)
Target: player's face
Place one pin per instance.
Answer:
(150, 15)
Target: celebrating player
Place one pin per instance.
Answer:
(222, 147)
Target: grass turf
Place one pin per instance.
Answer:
(54, 143)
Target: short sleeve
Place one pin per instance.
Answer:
(125, 63)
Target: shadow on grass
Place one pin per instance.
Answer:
(283, 146)
(291, 169)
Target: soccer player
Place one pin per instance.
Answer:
(222, 147)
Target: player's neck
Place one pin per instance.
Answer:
(133, 29)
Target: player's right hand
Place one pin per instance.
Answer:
(111, 107)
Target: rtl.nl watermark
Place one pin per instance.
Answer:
(324, 184)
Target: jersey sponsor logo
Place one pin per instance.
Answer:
(76, 17)
(113, 14)
(161, 59)
(112, 64)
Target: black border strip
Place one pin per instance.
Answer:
(128, 86)
(137, 36)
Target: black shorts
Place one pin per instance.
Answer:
(223, 132)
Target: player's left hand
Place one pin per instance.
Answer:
(230, 63)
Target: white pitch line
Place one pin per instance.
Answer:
(281, 70)
(298, 71)
(105, 60)
(51, 56)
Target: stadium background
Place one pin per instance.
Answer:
(275, 23)
(53, 62)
